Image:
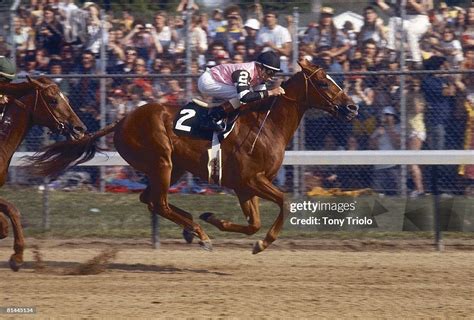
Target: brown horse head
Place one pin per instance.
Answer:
(50, 108)
(322, 91)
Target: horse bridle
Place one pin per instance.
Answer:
(322, 94)
(60, 126)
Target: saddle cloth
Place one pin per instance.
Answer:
(187, 123)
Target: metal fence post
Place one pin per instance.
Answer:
(403, 103)
(46, 194)
(13, 9)
(299, 186)
(296, 21)
(103, 90)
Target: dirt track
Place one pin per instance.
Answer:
(286, 281)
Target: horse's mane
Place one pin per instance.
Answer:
(52, 89)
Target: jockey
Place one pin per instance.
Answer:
(239, 84)
(7, 74)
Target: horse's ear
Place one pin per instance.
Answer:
(303, 63)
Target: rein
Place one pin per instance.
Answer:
(261, 126)
(306, 80)
(324, 96)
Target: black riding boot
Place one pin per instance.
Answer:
(215, 115)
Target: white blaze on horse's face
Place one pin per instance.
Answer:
(332, 80)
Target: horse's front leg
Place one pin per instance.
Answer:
(263, 188)
(249, 205)
(9, 210)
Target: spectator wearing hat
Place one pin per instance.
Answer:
(274, 37)
(93, 28)
(251, 27)
(325, 34)
(233, 31)
(441, 18)
(386, 137)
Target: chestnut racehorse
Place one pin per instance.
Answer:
(43, 104)
(145, 139)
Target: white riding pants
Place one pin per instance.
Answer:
(210, 87)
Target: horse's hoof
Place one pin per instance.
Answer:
(206, 216)
(188, 235)
(258, 247)
(14, 265)
(206, 245)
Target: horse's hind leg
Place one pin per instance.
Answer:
(8, 209)
(266, 190)
(249, 205)
(145, 198)
(158, 203)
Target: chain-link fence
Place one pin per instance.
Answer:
(149, 45)
(427, 125)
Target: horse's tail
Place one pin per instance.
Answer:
(53, 159)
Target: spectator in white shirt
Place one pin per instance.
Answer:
(274, 37)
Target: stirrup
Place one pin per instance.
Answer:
(210, 125)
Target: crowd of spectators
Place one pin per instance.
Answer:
(64, 37)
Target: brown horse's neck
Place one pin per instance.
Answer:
(287, 111)
(16, 89)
